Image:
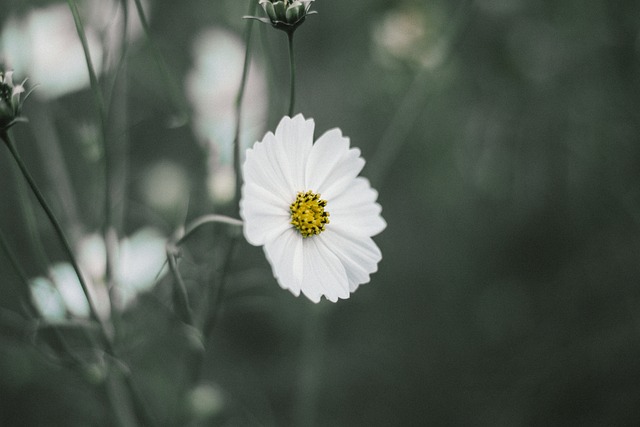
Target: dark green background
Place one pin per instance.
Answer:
(509, 290)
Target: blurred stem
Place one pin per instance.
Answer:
(55, 166)
(118, 157)
(138, 404)
(30, 220)
(292, 66)
(52, 218)
(180, 295)
(95, 87)
(24, 292)
(309, 374)
(102, 116)
(415, 98)
(275, 102)
(215, 296)
(60, 342)
(212, 316)
(237, 154)
(174, 91)
(203, 220)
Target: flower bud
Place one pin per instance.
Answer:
(10, 102)
(285, 15)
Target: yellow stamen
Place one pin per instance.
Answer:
(308, 213)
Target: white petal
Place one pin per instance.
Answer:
(324, 156)
(258, 197)
(285, 254)
(324, 274)
(359, 255)
(295, 137)
(332, 165)
(355, 209)
(262, 217)
(259, 229)
(343, 174)
(262, 168)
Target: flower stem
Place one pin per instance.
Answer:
(174, 90)
(292, 66)
(310, 367)
(203, 220)
(180, 296)
(32, 311)
(108, 234)
(237, 154)
(139, 406)
(93, 79)
(54, 221)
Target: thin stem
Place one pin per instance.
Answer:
(31, 309)
(212, 317)
(174, 91)
(102, 115)
(22, 275)
(237, 151)
(139, 406)
(54, 221)
(180, 296)
(30, 220)
(415, 98)
(275, 102)
(292, 65)
(310, 367)
(93, 79)
(203, 220)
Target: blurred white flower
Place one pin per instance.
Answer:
(165, 186)
(410, 35)
(44, 44)
(60, 294)
(305, 204)
(212, 87)
(139, 261)
(47, 298)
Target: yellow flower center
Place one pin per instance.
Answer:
(308, 214)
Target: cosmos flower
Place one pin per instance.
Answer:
(305, 204)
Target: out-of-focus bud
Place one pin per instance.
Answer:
(10, 102)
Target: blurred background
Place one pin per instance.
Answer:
(502, 137)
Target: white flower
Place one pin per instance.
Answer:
(305, 204)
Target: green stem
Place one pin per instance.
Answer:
(93, 79)
(180, 295)
(310, 368)
(292, 65)
(212, 317)
(30, 220)
(102, 115)
(139, 407)
(174, 90)
(54, 221)
(32, 311)
(203, 220)
(237, 150)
